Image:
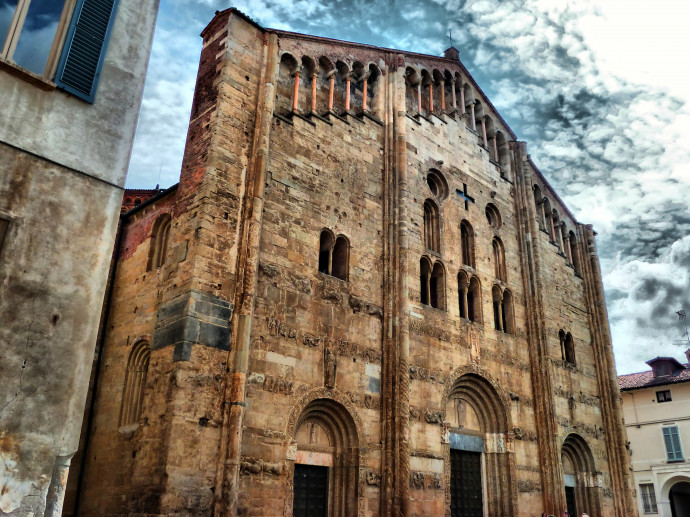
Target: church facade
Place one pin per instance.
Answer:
(362, 298)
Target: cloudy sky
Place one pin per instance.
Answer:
(599, 90)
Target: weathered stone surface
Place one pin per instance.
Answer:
(346, 360)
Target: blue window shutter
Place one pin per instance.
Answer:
(672, 442)
(84, 50)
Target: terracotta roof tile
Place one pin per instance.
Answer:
(634, 381)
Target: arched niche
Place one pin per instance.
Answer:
(326, 456)
(580, 477)
(478, 451)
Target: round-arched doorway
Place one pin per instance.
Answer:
(679, 497)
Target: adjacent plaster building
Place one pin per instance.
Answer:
(656, 407)
(361, 299)
(71, 80)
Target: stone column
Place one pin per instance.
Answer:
(431, 97)
(313, 92)
(495, 149)
(465, 307)
(364, 94)
(347, 92)
(295, 92)
(419, 97)
(570, 251)
(462, 98)
(474, 122)
(486, 144)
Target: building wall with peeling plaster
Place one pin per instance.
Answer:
(62, 171)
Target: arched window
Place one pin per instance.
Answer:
(503, 310)
(135, 380)
(341, 254)
(499, 259)
(432, 284)
(474, 301)
(159, 242)
(569, 348)
(431, 233)
(463, 287)
(467, 243)
(334, 255)
(437, 184)
(493, 216)
(538, 203)
(574, 253)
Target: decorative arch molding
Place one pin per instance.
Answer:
(336, 418)
(576, 451)
(482, 393)
(665, 489)
(322, 393)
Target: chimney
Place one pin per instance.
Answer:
(451, 53)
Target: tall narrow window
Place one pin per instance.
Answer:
(503, 310)
(432, 284)
(648, 498)
(474, 301)
(498, 311)
(674, 452)
(4, 225)
(437, 287)
(467, 243)
(159, 242)
(339, 262)
(575, 253)
(135, 380)
(326, 242)
(569, 346)
(463, 294)
(499, 259)
(431, 233)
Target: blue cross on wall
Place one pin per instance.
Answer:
(464, 195)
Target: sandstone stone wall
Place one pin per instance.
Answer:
(260, 361)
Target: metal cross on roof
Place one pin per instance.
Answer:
(450, 37)
(464, 195)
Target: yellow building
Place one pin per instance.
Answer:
(656, 408)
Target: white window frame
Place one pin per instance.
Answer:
(648, 497)
(15, 30)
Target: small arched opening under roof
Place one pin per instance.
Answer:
(412, 91)
(557, 229)
(307, 89)
(503, 155)
(538, 204)
(439, 91)
(449, 92)
(479, 122)
(326, 85)
(286, 80)
(575, 253)
(360, 74)
(469, 101)
(372, 89)
(341, 95)
(427, 91)
(490, 135)
(546, 210)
